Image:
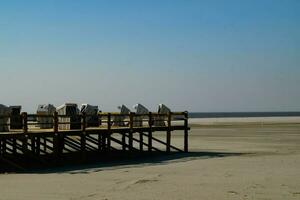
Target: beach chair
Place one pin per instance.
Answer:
(4, 110)
(138, 120)
(119, 120)
(71, 120)
(160, 120)
(92, 115)
(45, 122)
(15, 117)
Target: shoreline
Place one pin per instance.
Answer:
(244, 121)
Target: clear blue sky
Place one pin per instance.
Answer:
(191, 55)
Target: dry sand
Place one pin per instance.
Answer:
(236, 160)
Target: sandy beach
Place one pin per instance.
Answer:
(238, 158)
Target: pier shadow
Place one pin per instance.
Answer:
(95, 162)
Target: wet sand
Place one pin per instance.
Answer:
(229, 159)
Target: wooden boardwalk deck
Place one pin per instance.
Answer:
(104, 139)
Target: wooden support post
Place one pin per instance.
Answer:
(4, 146)
(83, 135)
(123, 141)
(14, 145)
(83, 122)
(141, 141)
(25, 124)
(99, 141)
(150, 132)
(24, 144)
(103, 142)
(55, 121)
(83, 144)
(130, 136)
(25, 131)
(57, 150)
(186, 131)
(45, 144)
(38, 145)
(168, 145)
(32, 144)
(108, 131)
(0, 147)
(56, 145)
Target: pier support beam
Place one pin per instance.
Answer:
(14, 146)
(99, 142)
(24, 145)
(83, 136)
(141, 141)
(186, 132)
(123, 142)
(103, 142)
(108, 145)
(130, 135)
(168, 145)
(38, 145)
(150, 132)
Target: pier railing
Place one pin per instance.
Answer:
(105, 120)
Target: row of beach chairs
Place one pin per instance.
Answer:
(72, 120)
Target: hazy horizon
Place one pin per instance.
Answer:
(200, 56)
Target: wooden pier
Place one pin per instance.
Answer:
(31, 143)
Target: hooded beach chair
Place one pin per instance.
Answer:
(139, 109)
(92, 114)
(45, 122)
(71, 119)
(4, 120)
(119, 120)
(15, 117)
(160, 120)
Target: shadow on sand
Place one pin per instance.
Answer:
(73, 164)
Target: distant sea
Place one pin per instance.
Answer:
(242, 114)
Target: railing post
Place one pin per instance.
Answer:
(99, 134)
(108, 131)
(150, 132)
(103, 139)
(130, 140)
(169, 133)
(25, 122)
(25, 131)
(56, 137)
(55, 121)
(38, 145)
(83, 134)
(124, 139)
(141, 141)
(83, 122)
(186, 130)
